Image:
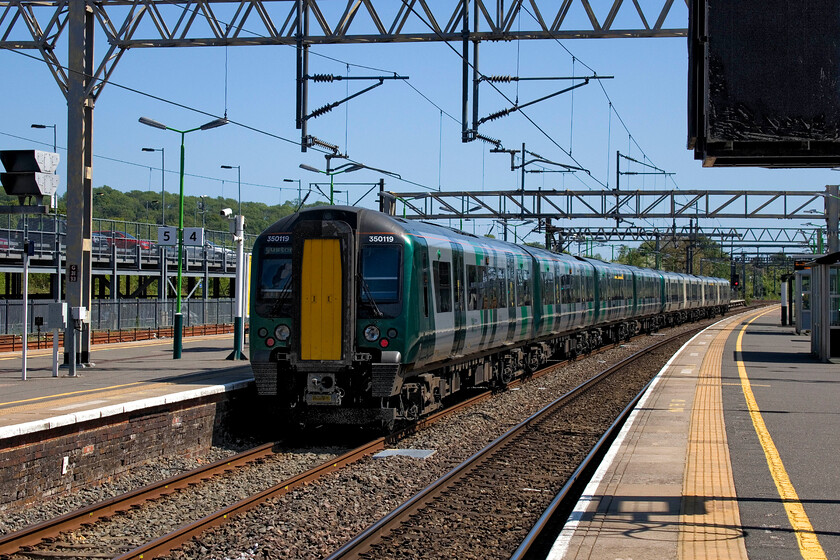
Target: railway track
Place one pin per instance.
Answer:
(491, 495)
(173, 540)
(29, 538)
(46, 535)
(26, 538)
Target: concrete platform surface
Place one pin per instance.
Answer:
(126, 376)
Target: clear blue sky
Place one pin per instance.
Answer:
(392, 127)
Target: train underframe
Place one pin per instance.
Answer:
(385, 394)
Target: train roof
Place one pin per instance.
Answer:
(370, 221)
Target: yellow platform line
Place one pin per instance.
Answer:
(809, 544)
(62, 395)
(710, 520)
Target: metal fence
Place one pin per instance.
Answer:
(123, 314)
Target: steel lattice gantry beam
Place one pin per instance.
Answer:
(35, 24)
(734, 236)
(618, 205)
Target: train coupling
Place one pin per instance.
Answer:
(321, 389)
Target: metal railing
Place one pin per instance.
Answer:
(122, 314)
(41, 231)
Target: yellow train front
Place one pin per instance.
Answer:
(362, 318)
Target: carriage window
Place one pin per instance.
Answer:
(443, 286)
(524, 286)
(548, 286)
(502, 288)
(458, 283)
(472, 287)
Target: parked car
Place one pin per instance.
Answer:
(99, 243)
(123, 240)
(7, 245)
(194, 252)
(218, 252)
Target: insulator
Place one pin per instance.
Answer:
(489, 140)
(504, 79)
(327, 145)
(323, 78)
(321, 111)
(498, 115)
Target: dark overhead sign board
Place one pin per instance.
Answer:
(764, 83)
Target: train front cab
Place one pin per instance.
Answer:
(326, 317)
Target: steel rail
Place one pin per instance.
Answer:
(174, 539)
(573, 488)
(361, 544)
(33, 535)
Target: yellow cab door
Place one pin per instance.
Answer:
(320, 303)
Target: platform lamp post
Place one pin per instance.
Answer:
(179, 318)
(239, 304)
(346, 168)
(294, 181)
(162, 189)
(238, 184)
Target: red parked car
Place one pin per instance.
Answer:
(123, 240)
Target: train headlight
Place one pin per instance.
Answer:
(282, 332)
(371, 333)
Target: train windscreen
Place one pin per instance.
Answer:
(274, 298)
(379, 292)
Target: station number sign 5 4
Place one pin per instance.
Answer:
(168, 235)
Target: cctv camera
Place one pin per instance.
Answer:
(226, 212)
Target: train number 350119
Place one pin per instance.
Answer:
(380, 239)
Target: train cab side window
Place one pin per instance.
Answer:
(443, 286)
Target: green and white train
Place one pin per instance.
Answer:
(362, 318)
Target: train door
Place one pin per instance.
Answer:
(321, 301)
(442, 305)
(459, 300)
(323, 292)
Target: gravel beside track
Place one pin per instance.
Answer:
(154, 471)
(142, 524)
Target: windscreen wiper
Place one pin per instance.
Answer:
(284, 295)
(366, 289)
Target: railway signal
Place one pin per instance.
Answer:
(30, 174)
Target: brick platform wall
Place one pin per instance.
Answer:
(49, 463)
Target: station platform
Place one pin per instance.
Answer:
(126, 377)
(731, 454)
